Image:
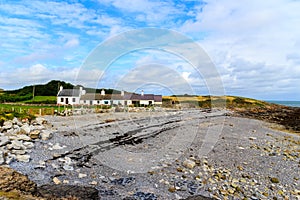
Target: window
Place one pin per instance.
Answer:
(98, 102)
(105, 102)
(74, 100)
(61, 99)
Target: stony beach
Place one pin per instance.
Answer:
(166, 154)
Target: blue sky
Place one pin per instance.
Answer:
(254, 45)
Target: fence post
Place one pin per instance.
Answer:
(40, 112)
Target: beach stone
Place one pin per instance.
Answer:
(46, 135)
(28, 145)
(18, 152)
(41, 121)
(79, 192)
(7, 125)
(4, 141)
(18, 145)
(23, 158)
(34, 134)
(57, 146)
(2, 160)
(80, 175)
(143, 195)
(56, 181)
(16, 121)
(13, 180)
(25, 128)
(189, 164)
(23, 137)
(68, 168)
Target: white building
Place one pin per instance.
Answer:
(69, 96)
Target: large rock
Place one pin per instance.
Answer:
(23, 137)
(23, 158)
(34, 134)
(40, 120)
(59, 191)
(46, 135)
(7, 125)
(17, 122)
(16, 144)
(25, 129)
(12, 180)
(4, 141)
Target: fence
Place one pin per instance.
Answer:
(32, 111)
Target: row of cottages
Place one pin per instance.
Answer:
(80, 97)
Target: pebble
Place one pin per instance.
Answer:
(80, 175)
(23, 158)
(56, 180)
(189, 164)
(68, 168)
(57, 146)
(2, 160)
(93, 183)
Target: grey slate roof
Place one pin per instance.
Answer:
(69, 93)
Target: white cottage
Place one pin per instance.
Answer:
(69, 96)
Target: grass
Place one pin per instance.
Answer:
(208, 101)
(42, 98)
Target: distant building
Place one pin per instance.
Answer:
(80, 97)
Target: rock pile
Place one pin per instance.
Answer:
(17, 139)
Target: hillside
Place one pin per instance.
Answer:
(43, 93)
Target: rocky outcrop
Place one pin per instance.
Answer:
(13, 180)
(77, 192)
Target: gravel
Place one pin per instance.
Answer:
(168, 155)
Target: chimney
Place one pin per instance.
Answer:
(61, 88)
(122, 93)
(142, 93)
(103, 92)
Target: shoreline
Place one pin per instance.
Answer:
(240, 138)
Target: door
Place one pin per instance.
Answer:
(67, 101)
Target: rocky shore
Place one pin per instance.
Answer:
(81, 157)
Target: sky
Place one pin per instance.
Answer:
(254, 46)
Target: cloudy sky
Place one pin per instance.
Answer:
(253, 45)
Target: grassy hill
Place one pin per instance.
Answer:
(43, 94)
(187, 101)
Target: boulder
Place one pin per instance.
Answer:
(28, 145)
(13, 180)
(34, 134)
(41, 121)
(23, 137)
(23, 158)
(16, 144)
(46, 135)
(25, 129)
(7, 125)
(4, 141)
(79, 192)
(16, 121)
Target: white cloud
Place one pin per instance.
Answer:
(71, 43)
(252, 43)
